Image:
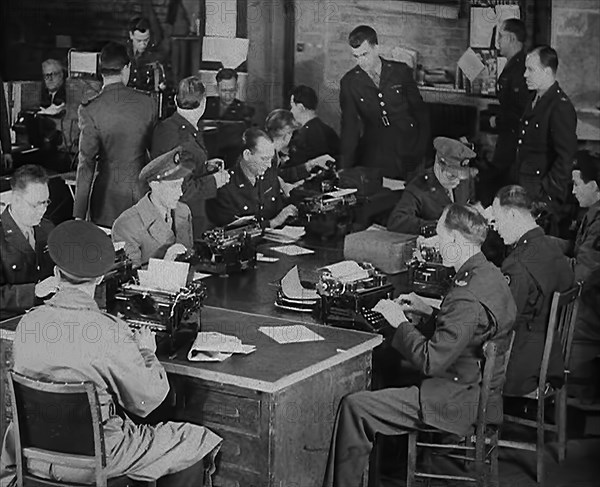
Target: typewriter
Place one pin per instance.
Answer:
(348, 303)
(227, 249)
(166, 313)
(121, 273)
(327, 215)
(429, 277)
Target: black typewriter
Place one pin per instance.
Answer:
(121, 273)
(348, 304)
(227, 249)
(429, 277)
(327, 215)
(164, 312)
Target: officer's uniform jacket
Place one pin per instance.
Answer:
(198, 186)
(116, 129)
(21, 267)
(143, 69)
(534, 269)
(239, 197)
(546, 146)
(513, 96)
(90, 345)
(237, 110)
(478, 307)
(383, 126)
(147, 235)
(587, 244)
(315, 138)
(423, 202)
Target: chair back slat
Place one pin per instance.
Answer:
(561, 323)
(490, 350)
(56, 420)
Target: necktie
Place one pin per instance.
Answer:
(451, 195)
(30, 237)
(375, 77)
(535, 100)
(169, 220)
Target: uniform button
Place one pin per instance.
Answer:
(526, 122)
(384, 112)
(412, 124)
(183, 126)
(38, 267)
(382, 103)
(245, 207)
(362, 99)
(523, 131)
(455, 379)
(520, 141)
(537, 172)
(380, 95)
(195, 134)
(14, 267)
(272, 198)
(537, 125)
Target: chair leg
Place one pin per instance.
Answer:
(493, 471)
(540, 445)
(561, 423)
(411, 463)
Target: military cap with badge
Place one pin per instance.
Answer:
(455, 154)
(166, 167)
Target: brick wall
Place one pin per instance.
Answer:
(323, 27)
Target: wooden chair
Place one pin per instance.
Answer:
(480, 448)
(561, 322)
(58, 423)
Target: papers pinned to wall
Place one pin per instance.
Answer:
(485, 22)
(230, 52)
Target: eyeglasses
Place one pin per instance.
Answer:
(38, 206)
(52, 75)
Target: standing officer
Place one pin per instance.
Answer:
(547, 141)
(534, 270)
(513, 96)
(147, 67)
(477, 308)
(383, 98)
(25, 266)
(116, 127)
(121, 364)
(426, 196)
(181, 129)
(254, 187)
(158, 225)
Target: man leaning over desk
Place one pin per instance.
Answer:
(159, 225)
(478, 307)
(25, 266)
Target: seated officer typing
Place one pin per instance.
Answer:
(121, 364)
(426, 196)
(254, 187)
(478, 307)
(25, 266)
(159, 225)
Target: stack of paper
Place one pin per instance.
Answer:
(290, 334)
(347, 271)
(164, 275)
(286, 235)
(293, 250)
(213, 346)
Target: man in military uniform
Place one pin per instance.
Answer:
(181, 129)
(425, 197)
(477, 308)
(158, 225)
(25, 266)
(535, 269)
(513, 96)
(122, 365)
(547, 140)
(147, 62)
(226, 106)
(116, 127)
(254, 187)
(382, 97)
(311, 141)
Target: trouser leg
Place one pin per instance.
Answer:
(190, 477)
(360, 417)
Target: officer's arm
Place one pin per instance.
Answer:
(294, 170)
(199, 184)
(587, 258)
(123, 231)
(522, 288)
(456, 324)
(563, 127)
(16, 297)
(418, 109)
(89, 149)
(405, 215)
(136, 377)
(164, 139)
(520, 96)
(350, 126)
(223, 209)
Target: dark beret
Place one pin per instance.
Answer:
(166, 167)
(81, 249)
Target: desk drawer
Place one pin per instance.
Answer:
(238, 479)
(241, 454)
(203, 405)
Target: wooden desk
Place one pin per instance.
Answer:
(275, 408)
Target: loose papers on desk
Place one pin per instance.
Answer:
(212, 346)
(293, 250)
(290, 334)
(347, 271)
(292, 288)
(394, 184)
(287, 234)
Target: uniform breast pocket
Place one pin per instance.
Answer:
(396, 94)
